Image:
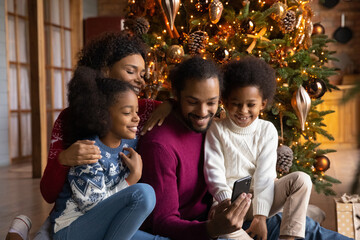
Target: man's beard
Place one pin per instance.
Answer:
(193, 116)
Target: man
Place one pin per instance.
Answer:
(173, 165)
(173, 160)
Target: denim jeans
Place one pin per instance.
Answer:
(313, 230)
(117, 217)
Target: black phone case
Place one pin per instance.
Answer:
(240, 186)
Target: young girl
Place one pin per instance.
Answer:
(242, 145)
(114, 55)
(102, 200)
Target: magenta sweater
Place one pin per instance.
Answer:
(173, 165)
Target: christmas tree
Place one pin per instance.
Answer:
(279, 31)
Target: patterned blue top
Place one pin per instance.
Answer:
(89, 184)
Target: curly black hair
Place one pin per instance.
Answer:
(90, 97)
(194, 68)
(109, 48)
(250, 71)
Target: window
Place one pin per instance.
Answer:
(58, 56)
(62, 28)
(19, 80)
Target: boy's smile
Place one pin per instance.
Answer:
(244, 104)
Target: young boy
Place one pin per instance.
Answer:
(242, 145)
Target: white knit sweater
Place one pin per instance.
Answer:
(233, 152)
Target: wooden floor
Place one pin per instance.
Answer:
(20, 194)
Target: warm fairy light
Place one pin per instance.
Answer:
(311, 138)
(282, 58)
(322, 53)
(278, 79)
(297, 161)
(290, 38)
(307, 123)
(191, 16)
(271, 28)
(220, 26)
(180, 4)
(227, 3)
(308, 128)
(211, 25)
(233, 48)
(279, 104)
(304, 71)
(261, 113)
(159, 37)
(178, 13)
(210, 43)
(305, 148)
(199, 24)
(234, 22)
(296, 143)
(182, 27)
(252, 11)
(320, 179)
(313, 123)
(149, 54)
(313, 66)
(164, 31)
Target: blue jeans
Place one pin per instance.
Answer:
(117, 217)
(313, 230)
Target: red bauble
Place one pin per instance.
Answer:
(322, 163)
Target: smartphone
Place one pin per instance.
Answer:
(241, 186)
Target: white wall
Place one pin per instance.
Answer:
(90, 8)
(4, 145)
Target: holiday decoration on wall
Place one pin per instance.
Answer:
(279, 31)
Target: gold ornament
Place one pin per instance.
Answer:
(221, 55)
(301, 103)
(175, 54)
(279, 11)
(322, 163)
(215, 11)
(289, 51)
(318, 29)
(315, 87)
(170, 7)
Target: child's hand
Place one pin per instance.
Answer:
(158, 116)
(258, 228)
(134, 163)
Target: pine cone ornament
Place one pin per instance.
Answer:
(284, 159)
(197, 42)
(288, 22)
(138, 26)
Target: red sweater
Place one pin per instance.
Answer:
(173, 165)
(55, 174)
